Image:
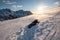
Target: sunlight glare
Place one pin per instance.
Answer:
(41, 9)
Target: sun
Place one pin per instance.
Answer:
(41, 9)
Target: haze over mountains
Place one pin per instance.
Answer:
(6, 14)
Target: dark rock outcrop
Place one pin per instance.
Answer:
(33, 23)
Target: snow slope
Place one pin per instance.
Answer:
(11, 26)
(17, 29)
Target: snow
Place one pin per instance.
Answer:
(17, 29)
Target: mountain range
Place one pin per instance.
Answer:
(6, 14)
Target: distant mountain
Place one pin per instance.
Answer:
(6, 14)
(22, 13)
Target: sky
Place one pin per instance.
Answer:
(26, 4)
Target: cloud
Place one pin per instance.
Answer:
(16, 7)
(19, 6)
(57, 3)
(8, 2)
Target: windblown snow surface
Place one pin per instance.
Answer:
(17, 29)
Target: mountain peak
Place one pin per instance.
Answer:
(6, 14)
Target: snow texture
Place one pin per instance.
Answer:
(17, 29)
